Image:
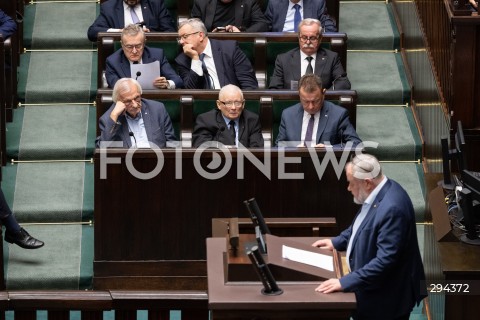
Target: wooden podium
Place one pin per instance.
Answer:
(235, 299)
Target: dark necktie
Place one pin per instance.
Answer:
(309, 67)
(208, 84)
(232, 131)
(297, 17)
(134, 15)
(309, 133)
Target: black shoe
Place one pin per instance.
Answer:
(23, 239)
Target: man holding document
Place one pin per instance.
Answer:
(149, 66)
(385, 267)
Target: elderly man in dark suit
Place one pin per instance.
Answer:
(116, 14)
(133, 121)
(233, 15)
(229, 124)
(134, 51)
(386, 270)
(211, 64)
(284, 15)
(315, 122)
(309, 58)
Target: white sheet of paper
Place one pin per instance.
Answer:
(148, 73)
(307, 257)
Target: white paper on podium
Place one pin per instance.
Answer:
(148, 73)
(307, 257)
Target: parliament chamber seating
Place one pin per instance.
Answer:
(184, 105)
(261, 48)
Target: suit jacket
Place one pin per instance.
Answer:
(7, 25)
(327, 66)
(118, 66)
(334, 126)
(233, 67)
(317, 9)
(208, 128)
(385, 258)
(158, 125)
(155, 16)
(248, 15)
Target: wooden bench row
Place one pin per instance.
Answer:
(92, 304)
(261, 48)
(184, 105)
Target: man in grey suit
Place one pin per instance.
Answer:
(211, 64)
(309, 58)
(315, 122)
(230, 15)
(136, 122)
(281, 14)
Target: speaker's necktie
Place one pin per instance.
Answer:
(297, 17)
(206, 75)
(134, 15)
(233, 135)
(309, 133)
(309, 67)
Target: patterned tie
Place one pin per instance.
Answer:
(134, 15)
(206, 75)
(309, 133)
(232, 131)
(309, 67)
(297, 18)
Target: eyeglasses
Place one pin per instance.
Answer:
(233, 103)
(130, 47)
(311, 38)
(185, 36)
(314, 102)
(129, 103)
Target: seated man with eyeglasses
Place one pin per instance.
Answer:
(229, 124)
(134, 51)
(133, 121)
(315, 122)
(309, 58)
(209, 63)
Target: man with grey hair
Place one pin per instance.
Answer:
(385, 267)
(309, 57)
(136, 122)
(134, 51)
(229, 124)
(211, 64)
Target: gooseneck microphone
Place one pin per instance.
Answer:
(343, 75)
(132, 135)
(138, 75)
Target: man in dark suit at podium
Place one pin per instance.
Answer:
(386, 270)
(229, 124)
(116, 14)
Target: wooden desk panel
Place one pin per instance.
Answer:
(157, 227)
(244, 300)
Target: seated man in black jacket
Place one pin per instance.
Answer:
(230, 15)
(116, 14)
(229, 124)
